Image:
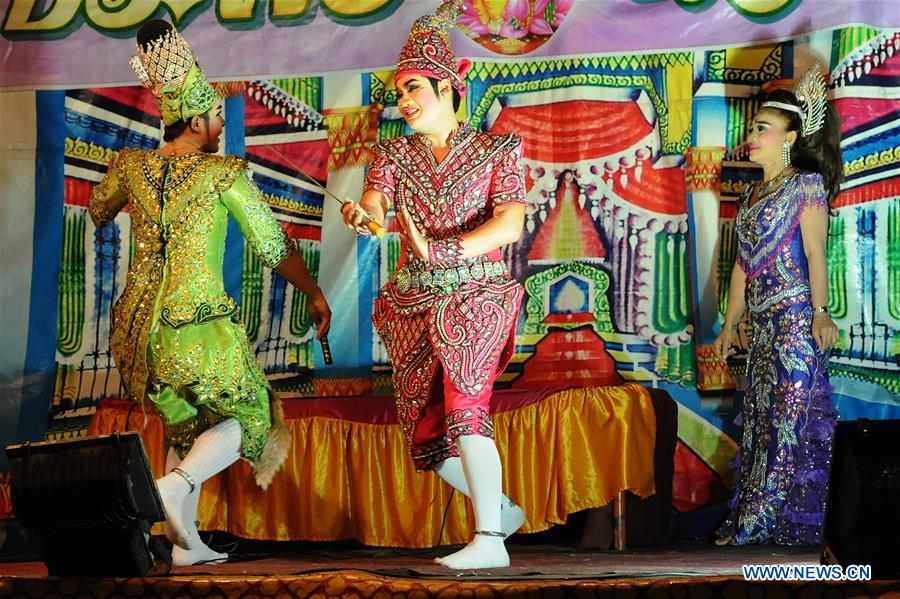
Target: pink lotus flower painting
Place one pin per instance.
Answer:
(512, 26)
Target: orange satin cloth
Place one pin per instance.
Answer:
(573, 450)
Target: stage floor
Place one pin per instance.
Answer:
(304, 569)
(528, 561)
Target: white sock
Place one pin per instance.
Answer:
(214, 450)
(192, 503)
(512, 517)
(483, 474)
(451, 472)
(481, 465)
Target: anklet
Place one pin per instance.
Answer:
(187, 477)
(490, 533)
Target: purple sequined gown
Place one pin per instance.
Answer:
(788, 418)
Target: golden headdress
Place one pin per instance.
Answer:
(427, 51)
(169, 69)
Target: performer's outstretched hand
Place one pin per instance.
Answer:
(417, 242)
(318, 309)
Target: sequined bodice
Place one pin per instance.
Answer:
(454, 195)
(770, 242)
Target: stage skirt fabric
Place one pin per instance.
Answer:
(349, 476)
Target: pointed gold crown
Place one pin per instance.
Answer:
(169, 69)
(166, 62)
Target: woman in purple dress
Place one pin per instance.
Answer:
(781, 278)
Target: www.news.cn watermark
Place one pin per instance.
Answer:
(806, 572)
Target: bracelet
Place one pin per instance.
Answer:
(733, 327)
(823, 309)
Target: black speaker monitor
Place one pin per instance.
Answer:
(93, 500)
(862, 520)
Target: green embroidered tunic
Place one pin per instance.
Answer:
(175, 335)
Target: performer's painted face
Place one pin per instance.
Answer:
(768, 132)
(418, 103)
(211, 128)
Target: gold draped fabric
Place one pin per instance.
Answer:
(573, 450)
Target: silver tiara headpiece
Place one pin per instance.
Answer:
(810, 93)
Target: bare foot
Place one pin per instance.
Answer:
(724, 540)
(512, 517)
(483, 552)
(174, 492)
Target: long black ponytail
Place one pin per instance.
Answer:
(819, 152)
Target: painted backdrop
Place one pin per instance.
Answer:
(631, 176)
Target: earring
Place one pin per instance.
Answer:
(786, 154)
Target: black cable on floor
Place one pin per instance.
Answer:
(446, 511)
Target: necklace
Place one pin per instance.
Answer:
(773, 183)
(172, 149)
